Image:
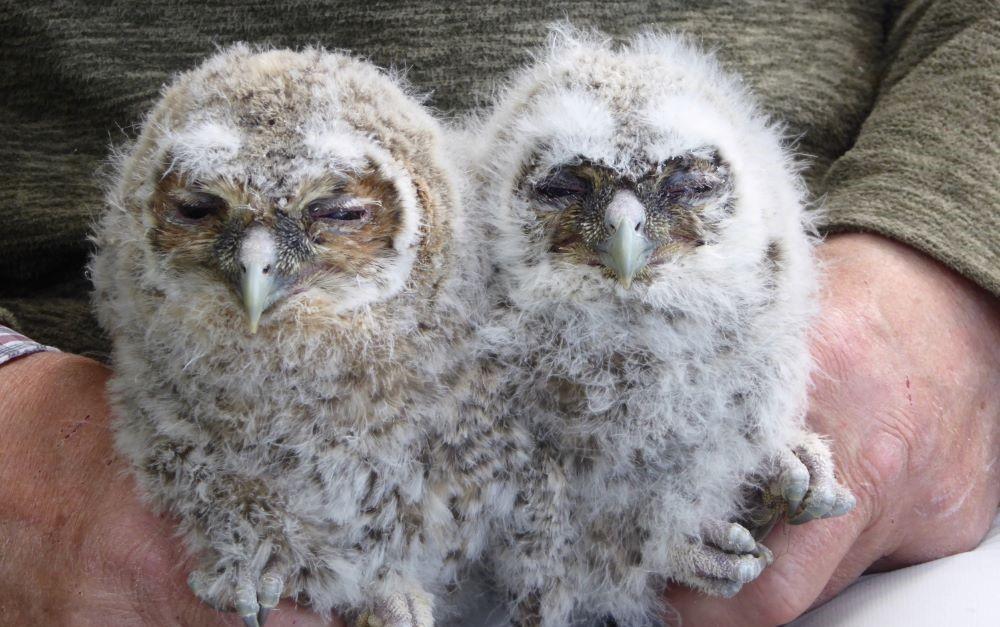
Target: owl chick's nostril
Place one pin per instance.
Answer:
(265, 270)
(612, 227)
(624, 209)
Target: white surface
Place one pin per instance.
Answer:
(962, 590)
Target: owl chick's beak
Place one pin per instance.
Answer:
(627, 250)
(257, 265)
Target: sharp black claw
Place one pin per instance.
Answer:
(762, 528)
(801, 519)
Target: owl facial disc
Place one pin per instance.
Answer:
(257, 265)
(627, 250)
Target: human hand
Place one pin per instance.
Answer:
(908, 389)
(76, 544)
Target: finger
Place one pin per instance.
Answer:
(288, 614)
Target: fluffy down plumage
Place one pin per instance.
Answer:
(650, 407)
(300, 453)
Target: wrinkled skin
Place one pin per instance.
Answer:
(911, 398)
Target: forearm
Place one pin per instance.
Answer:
(40, 508)
(923, 168)
(77, 546)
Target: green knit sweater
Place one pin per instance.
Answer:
(895, 104)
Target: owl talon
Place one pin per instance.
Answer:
(844, 503)
(724, 559)
(825, 497)
(729, 537)
(246, 604)
(728, 589)
(399, 610)
(271, 586)
(234, 590)
(793, 482)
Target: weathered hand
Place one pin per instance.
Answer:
(77, 547)
(909, 390)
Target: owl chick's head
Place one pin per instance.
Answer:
(624, 171)
(268, 177)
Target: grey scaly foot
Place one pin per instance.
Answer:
(724, 559)
(412, 609)
(808, 485)
(800, 484)
(252, 601)
(246, 603)
(271, 586)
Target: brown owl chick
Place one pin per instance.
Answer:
(654, 287)
(281, 268)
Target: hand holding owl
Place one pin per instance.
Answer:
(923, 492)
(84, 549)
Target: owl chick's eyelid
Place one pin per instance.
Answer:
(342, 208)
(191, 207)
(686, 184)
(560, 186)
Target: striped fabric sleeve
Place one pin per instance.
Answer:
(14, 345)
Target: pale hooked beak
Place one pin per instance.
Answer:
(257, 261)
(627, 251)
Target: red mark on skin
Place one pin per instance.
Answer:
(76, 427)
(909, 396)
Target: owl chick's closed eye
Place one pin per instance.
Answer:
(283, 270)
(629, 225)
(267, 245)
(655, 283)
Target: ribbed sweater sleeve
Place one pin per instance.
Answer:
(925, 167)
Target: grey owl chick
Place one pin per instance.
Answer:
(282, 267)
(654, 284)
